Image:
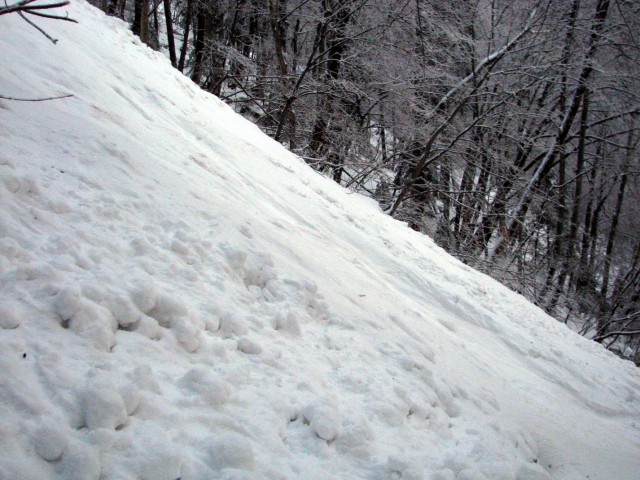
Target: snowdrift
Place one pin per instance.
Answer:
(180, 297)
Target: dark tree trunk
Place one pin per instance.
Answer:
(141, 20)
(185, 37)
(170, 40)
(200, 31)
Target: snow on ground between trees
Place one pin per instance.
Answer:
(182, 298)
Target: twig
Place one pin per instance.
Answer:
(23, 5)
(34, 99)
(55, 17)
(15, 7)
(53, 40)
(44, 7)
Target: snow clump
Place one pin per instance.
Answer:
(49, 441)
(103, 405)
(9, 317)
(324, 419)
(201, 381)
(231, 450)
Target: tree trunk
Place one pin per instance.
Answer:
(170, 40)
(185, 37)
(141, 20)
(613, 230)
(200, 30)
(577, 192)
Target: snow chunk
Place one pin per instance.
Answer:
(444, 474)
(11, 249)
(105, 439)
(34, 270)
(94, 291)
(390, 413)
(212, 323)
(356, 432)
(396, 466)
(324, 419)
(144, 379)
(130, 397)
(412, 473)
(289, 323)
(49, 442)
(496, 470)
(188, 332)
(160, 461)
(180, 247)
(103, 406)
(80, 462)
(231, 450)
(532, 471)
(95, 323)
(167, 309)
(124, 310)
(439, 422)
(471, 474)
(235, 474)
(260, 272)
(24, 185)
(236, 258)
(9, 317)
(231, 325)
(203, 382)
(144, 294)
(148, 327)
(11, 182)
(248, 346)
(67, 302)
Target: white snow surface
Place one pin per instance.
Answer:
(180, 297)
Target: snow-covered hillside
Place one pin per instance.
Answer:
(180, 297)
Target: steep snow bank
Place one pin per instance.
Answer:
(182, 298)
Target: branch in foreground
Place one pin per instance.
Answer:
(24, 6)
(14, 99)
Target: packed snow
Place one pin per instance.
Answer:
(181, 298)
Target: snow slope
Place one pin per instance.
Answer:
(180, 297)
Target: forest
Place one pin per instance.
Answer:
(506, 130)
